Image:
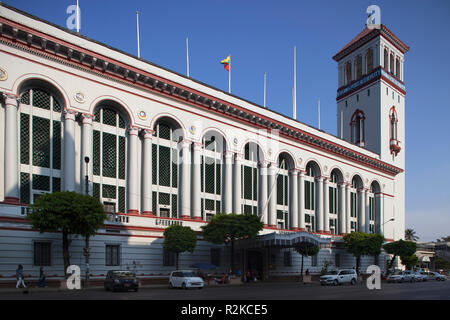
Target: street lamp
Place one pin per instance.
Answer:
(391, 219)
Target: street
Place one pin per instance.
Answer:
(430, 290)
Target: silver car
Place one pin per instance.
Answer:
(431, 275)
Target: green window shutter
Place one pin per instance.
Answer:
(255, 184)
(286, 189)
(24, 187)
(154, 165)
(24, 138)
(41, 142)
(97, 115)
(109, 117)
(96, 191)
(218, 178)
(164, 198)
(164, 166)
(307, 195)
(56, 184)
(41, 99)
(109, 191)
(56, 145)
(56, 105)
(218, 206)
(174, 168)
(164, 131)
(121, 122)
(41, 182)
(96, 153)
(122, 155)
(280, 189)
(174, 206)
(248, 183)
(122, 199)
(154, 202)
(313, 199)
(109, 155)
(209, 175)
(25, 97)
(209, 204)
(202, 173)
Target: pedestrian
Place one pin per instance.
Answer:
(20, 277)
(248, 276)
(307, 272)
(41, 282)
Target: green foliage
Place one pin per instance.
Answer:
(361, 244)
(409, 261)
(400, 248)
(307, 249)
(66, 211)
(410, 235)
(179, 239)
(225, 228)
(441, 263)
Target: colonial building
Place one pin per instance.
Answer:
(159, 148)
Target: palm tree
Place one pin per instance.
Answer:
(410, 235)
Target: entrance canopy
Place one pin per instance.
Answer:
(285, 240)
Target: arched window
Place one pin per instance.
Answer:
(250, 179)
(357, 127)
(348, 72)
(391, 64)
(109, 157)
(165, 169)
(40, 141)
(333, 202)
(386, 59)
(312, 171)
(282, 193)
(397, 67)
(358, 67)
(211, 175)
(369, 61)
(354, 203)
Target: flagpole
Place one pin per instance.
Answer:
(187, 56)
(295, 85)
(137, 31)
(265, 90)
(78, 18)
(229, 77)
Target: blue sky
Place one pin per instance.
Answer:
(260, 36)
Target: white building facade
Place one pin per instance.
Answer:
(165, 149)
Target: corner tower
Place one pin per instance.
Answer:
(371, 93)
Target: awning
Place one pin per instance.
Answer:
(285, 240)
(425, 259)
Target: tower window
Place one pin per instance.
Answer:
(368, 92)
(386, 59)
(397, 68)
(348, 73)
(391, 64)
(358, 67)
(394, 144)
(369, 61)
(357, 127)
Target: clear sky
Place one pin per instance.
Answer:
(260, 36)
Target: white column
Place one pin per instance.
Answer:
(86, 151)
(342, 209)
(133, 188)
(366, 196)
(11, 150)
(237, 184)
(347, 208)
(272, 193)
(263, 195)
(196, 186)
(185, 183)
(147, 179)
(301, 200)
(319, 204)
(69, 150)
(293, 199)
(227, 198)
(326, 206)
(362, 211)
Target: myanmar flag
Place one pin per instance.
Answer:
(226, 63)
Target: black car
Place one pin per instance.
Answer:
(121, 280)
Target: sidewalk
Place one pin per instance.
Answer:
(58, 289)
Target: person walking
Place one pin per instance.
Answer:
(41, 282)
(20, 277)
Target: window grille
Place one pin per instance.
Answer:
(96, 153)
(56, 145)
(41, 99)
(174, 206)
(56, 184)
(164, 166)
(109, 155)
(41, 182)
(121, 199)
(109, 117)
(25, 187)
(25, 98)
(41, 142)
(122, 155)
(24, 138)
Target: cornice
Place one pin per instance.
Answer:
(34, 42)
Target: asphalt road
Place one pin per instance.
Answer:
(430, 290)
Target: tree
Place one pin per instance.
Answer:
(409, 261)
(68, 212)
(443, 239)
(410, 235)
(227, 228)
(179, 239)
(400, 248)
(306, 249)
(361, 244)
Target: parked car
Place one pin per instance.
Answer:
(339, 277)
(431, 275)
(409, 276)
(397, 276)
(121, 280)
(420, 276)
(185, 279)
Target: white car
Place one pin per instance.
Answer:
(339, 277)
(185, 279)
(431, 275)
(395, 277)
